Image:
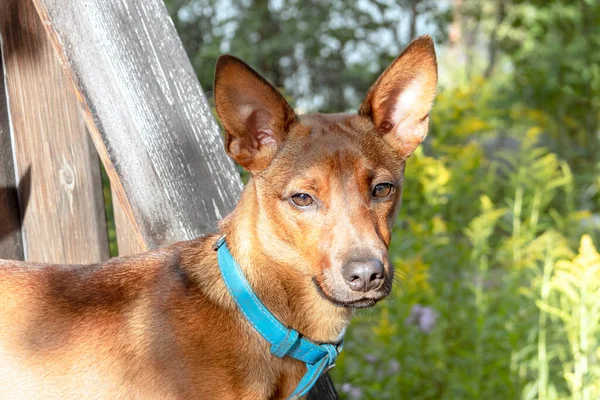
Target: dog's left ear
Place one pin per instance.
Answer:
(400, 100)
(255, 115)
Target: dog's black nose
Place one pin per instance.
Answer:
(363, 276)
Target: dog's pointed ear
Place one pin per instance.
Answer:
(400, 100)
(255, 115)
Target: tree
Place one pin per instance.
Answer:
(553, 53)
(325, 54)
(555, 49)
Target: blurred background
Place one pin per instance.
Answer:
(495, 242)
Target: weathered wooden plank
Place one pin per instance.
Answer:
(11, 245)
(65, 219)
(149, 119)
(127, 239)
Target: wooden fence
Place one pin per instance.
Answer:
(89, 82)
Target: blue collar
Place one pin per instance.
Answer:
(284, 341)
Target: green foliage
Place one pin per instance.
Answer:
(324, 53)
(554, 52)
(110, 215)
(482, 227)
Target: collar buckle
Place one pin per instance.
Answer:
(220, 241)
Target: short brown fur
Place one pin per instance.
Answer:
(161, 325)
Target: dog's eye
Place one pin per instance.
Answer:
(302, 200)
(382, 190)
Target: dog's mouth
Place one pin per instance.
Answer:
(368, 300)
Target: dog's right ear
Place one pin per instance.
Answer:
(255, 115)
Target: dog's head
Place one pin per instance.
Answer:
(328, 186)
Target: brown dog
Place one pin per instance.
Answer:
(310, 232)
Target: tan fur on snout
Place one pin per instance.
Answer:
(161, 325)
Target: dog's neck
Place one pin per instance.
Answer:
(287, 292)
